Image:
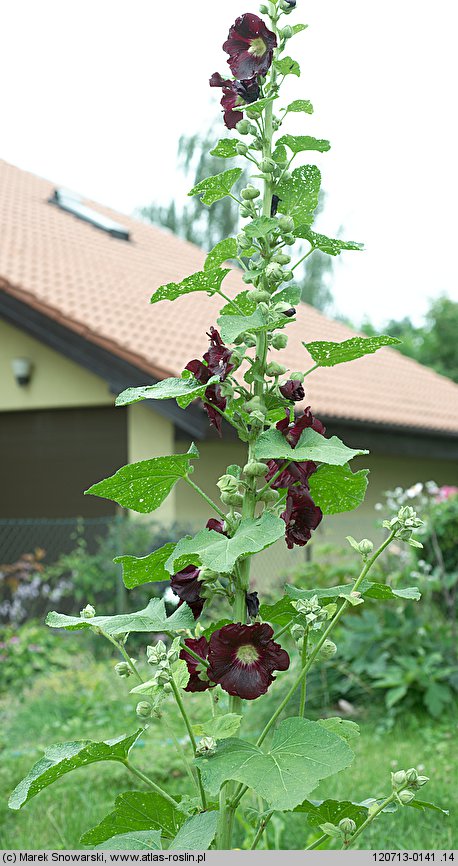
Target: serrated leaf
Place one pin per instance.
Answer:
(330, 246)
(367, 588)
(167, 389)
(137, 570)
(281, 612)
(289, 295)
(384, 592)
(153, 618)
(348, 730)
(213, 188)
(423, 804)
(180, 673)
(232, 326)
(301, 105)
(336, 488)
(300, 143)
(143, 486)
(256, 108)
(219, 727)
(62, 758)
(279, 154)
(202, 281)
(328, 354)
(299, 194)
(213, 550)
(245, 303)
(272, 445)
(221, 252)
(319, 812)
(141, 840)
(226, 148)
(197, 833)
(285, 774)
(260, 227)
(287, 66)
(136, 811)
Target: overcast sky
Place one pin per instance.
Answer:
(95, 94)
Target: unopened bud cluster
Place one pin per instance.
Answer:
(404, 524)
(313, 613)
(405, 783)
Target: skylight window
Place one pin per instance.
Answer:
(72, 203)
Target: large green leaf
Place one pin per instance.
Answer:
(287, 66)
(367, 588)
(344, 728)
(140, 840)
(260, 227)
(224, 250)
(244, 302)
(134, 811)
(202, 281)
(143, 486)
(65, 757)
(197, 833)
(167, 389)
(302, 753)
(272, 445)
(299, 194)
(219, 727)
(256, 108)
(152, 618)
(332, 811)
(215, 551)
(226, 148)
(137, 570)
(232, 326)
(327, 354)
(301, 105)
(213, 188)
(331, 246)
(281, 612)
(299, 143)
(337, 488)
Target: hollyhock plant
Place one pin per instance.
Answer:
(243, 657)
(235, 633)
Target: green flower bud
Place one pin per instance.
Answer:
(228, 484)
(122, 669)
(156, 653)
(243, 241)
(226, 389)
(398, 779)
(348, 826)
(260, 295)
(365, 547)
(274, 272)
(143, 710)
(286, 223)
(287, 32)
(207, 574)
(243, 127)
(269, 496)
(279, 341)
(328, 650)
(257, 418)
(287, 276)
(412, 775)
(250, 192)
(299, 377)
(405, 797)
(421, 780)
(289, 240)
(255, 469)
(241, 148)
(274, 369)
(263, 9)
(234, 499)
(297, 632)
(267, 165)
(255, 404)
(206, 746)
(244, 211)
(285, 7)
(249, 340)
(281, 258)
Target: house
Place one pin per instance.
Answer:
(75, 281)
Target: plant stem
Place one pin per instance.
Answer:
(299, 262)
(150, 783)
(185, 717)
(231, 302)
(204, 496)
(262, 826)
(316, 843)
(124, 654)
(304, 681)
(369, 820)
(195, 656)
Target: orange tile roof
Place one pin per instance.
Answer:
(99, 287)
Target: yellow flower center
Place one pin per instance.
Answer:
(258, 47)
(247, 654)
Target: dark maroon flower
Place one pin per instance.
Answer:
(292, 476)
(290, 313)
(274, 205)
(252, 603)
(218, 356)
(216, 525)
(235, 95)
(292, 431)
(186, 586)
(243, 657)
(292, 390)
(301, 516)
(250, 46)
(217, 364)
(215, 401)
(196, 684)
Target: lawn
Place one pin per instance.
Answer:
(88, 702)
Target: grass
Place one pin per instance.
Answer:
(88, 702)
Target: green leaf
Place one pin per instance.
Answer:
(331, 246)
(337, 488)
(137, 570)
(299, 143)
(393, 696)
(232, 326)
(436, 698)
(323, 811)
(301, 105)
(272, 445)
(226, 148)
(287, 66)
(290, 295)
(197, 833)
(367, 588)
(213, 550)
(280, 155)
(299, 194)
(260, 227)
(349, 731)
(285, 774)
(135, 811)
(202, 281)
(383, 591)
(219, 727)
(282, 612)
(256, 108)
(141, 840)
(211, 189)
(152, 618)
(180, 673)
(214, 626)
(224, 250)
(327, 354)
(297, 28)
(245, 303)
(143, 486)
(65, 757)
(423, 805)
(166, 389)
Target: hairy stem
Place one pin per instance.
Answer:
(304, 681)
(150, 783)
(262, 826)
(204, 496)
(371, 817)
(185, 717)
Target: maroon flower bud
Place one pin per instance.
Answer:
(301, 517)
(274, 205)
(186, 586)
(289, 313)
(292, 431)
(243, 657)
(216, 525)
(295, 474)
(196, 684)
(252, 603)
(217, 363)
(292, 390)
(250, 46)
(235, 93)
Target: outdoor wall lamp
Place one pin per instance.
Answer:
(22, 369)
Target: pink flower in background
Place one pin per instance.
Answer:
(446, 492)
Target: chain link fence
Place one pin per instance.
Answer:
(54, 536)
